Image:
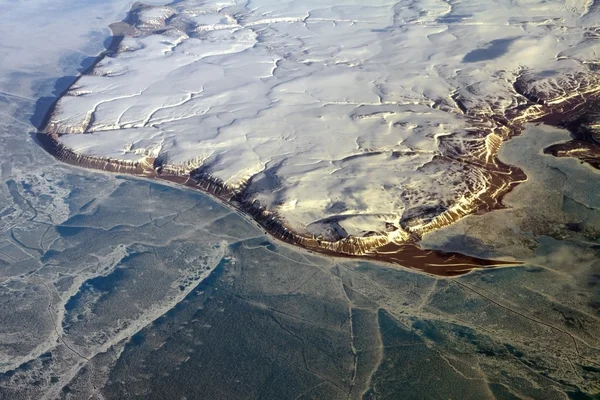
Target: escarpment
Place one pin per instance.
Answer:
(347, 137)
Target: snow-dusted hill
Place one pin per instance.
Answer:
(343, 119)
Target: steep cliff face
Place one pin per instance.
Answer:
(339, 129)
(51, 144)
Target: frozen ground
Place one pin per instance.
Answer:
(341, 118)
(115, 288)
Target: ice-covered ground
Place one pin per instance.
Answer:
(104, 290)
(340, 117)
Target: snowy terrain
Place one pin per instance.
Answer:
(344, 119)
(110, 286)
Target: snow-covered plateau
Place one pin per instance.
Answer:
(341, 124)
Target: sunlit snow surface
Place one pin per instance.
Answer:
(368, 117)
(113, 287)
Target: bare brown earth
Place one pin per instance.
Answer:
(584, 151)
(582, 122)
(575, 113)
(409, 255)
(580, 115)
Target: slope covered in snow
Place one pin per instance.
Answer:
(347, 126)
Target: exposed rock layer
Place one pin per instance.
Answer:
(565, 97)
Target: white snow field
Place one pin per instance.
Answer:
(345, 118)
